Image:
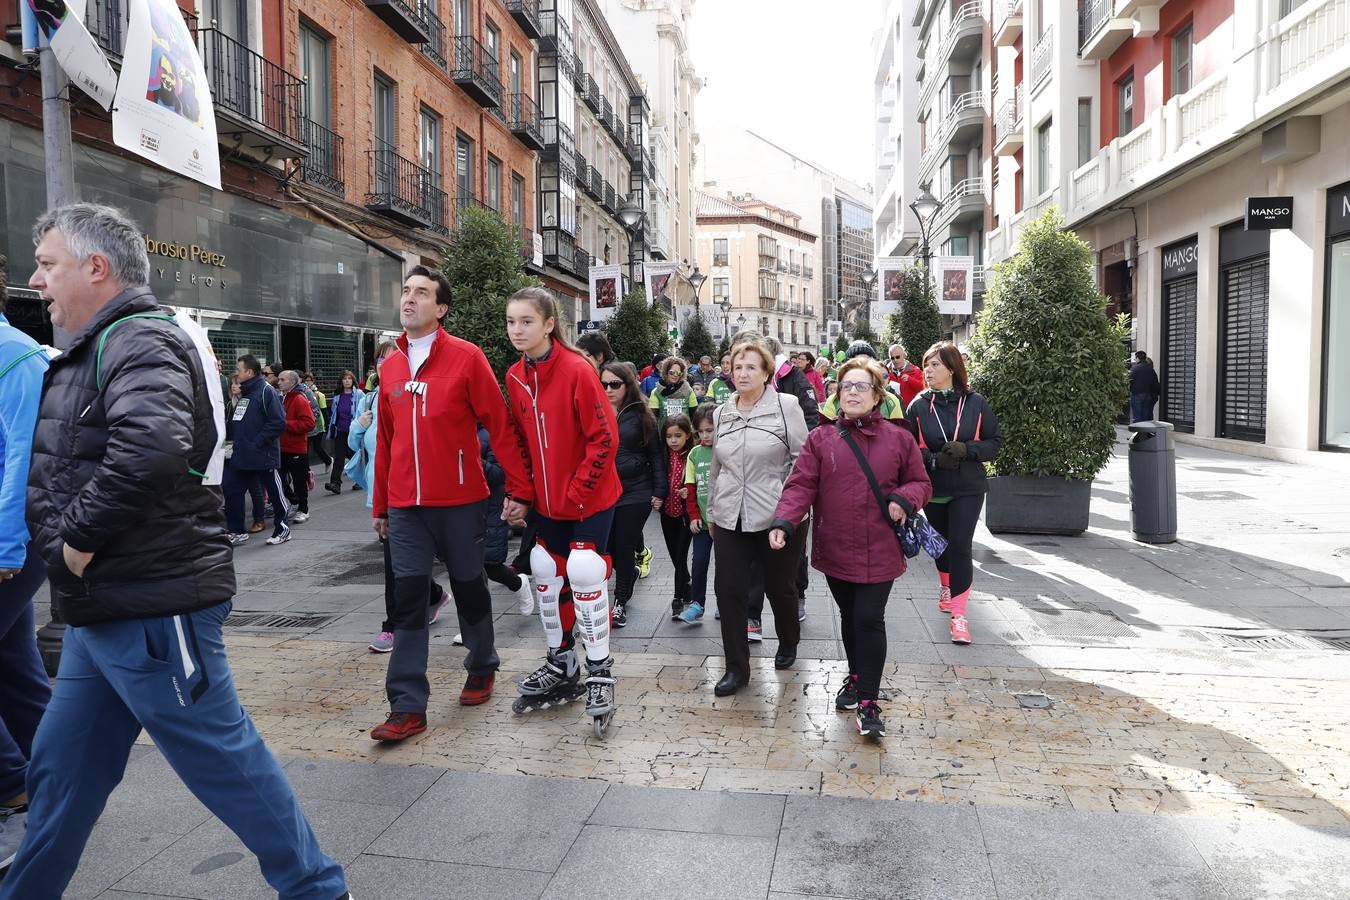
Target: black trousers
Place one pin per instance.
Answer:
(296, 467)
(735, 549)
(340, 453)
(756, 602)
(862, 621)
(675, 529)
(956, 520)
(625, 540)
(389, 608)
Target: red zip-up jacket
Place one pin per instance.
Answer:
(299, 422)
(562, 414)
(427, 451)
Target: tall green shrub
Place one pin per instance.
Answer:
(917, 325)
(630, 330)
(1048, 358)
(697, 340)
(484, 265)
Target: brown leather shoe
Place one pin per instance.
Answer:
(399, 727)
(257, 527)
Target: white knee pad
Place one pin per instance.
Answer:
(588, 574)
(548, 584)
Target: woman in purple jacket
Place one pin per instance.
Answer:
(854, 545)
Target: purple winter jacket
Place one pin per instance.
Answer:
(851, 539)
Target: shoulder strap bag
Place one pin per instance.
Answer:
(915, 534)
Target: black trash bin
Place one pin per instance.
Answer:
(1153, 483)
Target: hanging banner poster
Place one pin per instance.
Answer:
(891, 280)
(658, 279)
(164, 110)
(710, 314)
(80, 56)
(604, 291)
(954, 276)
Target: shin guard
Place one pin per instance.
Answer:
(548, 585)
(588, 573)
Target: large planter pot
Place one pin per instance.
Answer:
(1042, 505)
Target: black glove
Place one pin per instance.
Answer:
(951, 455)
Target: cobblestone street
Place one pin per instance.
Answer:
(1201, 685)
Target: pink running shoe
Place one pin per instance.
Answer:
(944, 599)
(960, 630)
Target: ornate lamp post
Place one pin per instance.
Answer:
(925, 207)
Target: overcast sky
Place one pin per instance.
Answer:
(798, 72)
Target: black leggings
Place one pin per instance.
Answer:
(676, 531)
(625, 539)
(862, 620)
(340, 453)
(956, 520)
(316, 445)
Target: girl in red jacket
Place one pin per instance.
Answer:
(561, 413)
(854, 543)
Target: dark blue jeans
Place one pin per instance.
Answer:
(168, 675)
(24, 689)
(1141, 407)
(698, 569)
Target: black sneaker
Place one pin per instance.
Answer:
(676, 607)
(869, 719)
(619, 615)
(847, 698)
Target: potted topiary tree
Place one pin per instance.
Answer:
(1049, 362)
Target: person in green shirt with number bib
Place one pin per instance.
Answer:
(696, 472)
(673, 394)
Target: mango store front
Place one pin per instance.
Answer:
(259, 279)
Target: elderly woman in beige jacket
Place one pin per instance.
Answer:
(758, 435)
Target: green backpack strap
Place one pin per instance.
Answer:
(103, 339)
(31, 353)
(98, 359)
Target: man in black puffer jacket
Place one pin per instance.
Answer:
(141, 570)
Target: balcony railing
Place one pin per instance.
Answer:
(406, 18)
(1042, 58)
(256, 100)
(1092, 18)
(434, 48)
(592, 95)
(524, 121)
(1308, 35)
(560, 249)
(403, 190)
(476, 71)
(610, 200)
(606, 114)
(526, 14)
(781, 266)
(1007, 22)
(966, 22)
(582, 267)
(1008, 128)
(324, 167)
(795, 268)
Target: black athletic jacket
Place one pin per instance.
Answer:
(641, 466)
(111, 472)
(933, 411)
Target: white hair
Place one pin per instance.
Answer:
(89, 229)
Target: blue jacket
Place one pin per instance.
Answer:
(333, 401)
(20, 391)
(497, 532)
(257, 433)
(362, 441)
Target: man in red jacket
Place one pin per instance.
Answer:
(295, 447)
(904, 374)
(429, 493)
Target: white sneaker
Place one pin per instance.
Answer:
(300, 518)
(237, 539)
(281, 537)
(525, 596)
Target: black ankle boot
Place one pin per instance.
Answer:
(785, 657)
(730, 684)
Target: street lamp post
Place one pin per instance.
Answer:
(632, 217)
(696, 279)
(869, 285)
(925, 207)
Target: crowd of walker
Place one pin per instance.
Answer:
(129, 456)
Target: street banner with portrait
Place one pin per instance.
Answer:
(605, 290)
(954, 276)
(833, 328)
(164, 111)
(658, 276)
(710, 313)
(891, 281)
(61, 26)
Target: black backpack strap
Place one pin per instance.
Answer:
(867, 470)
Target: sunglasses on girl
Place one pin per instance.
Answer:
(612, 385)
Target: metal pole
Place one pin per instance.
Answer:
(60, 164)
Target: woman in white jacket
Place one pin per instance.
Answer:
(759, 433)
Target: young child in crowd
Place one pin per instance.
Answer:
(679, 436)
(696, 471)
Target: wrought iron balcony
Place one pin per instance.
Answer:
(560, 249)
(582, 267)
(559, 144)
(579, 77)
(597, 185)
(324, 167)
(434, 48)
(476, 71)
(582, 166)
(606, 114)
(587, 184)
(407, 19)
(592, 95)
(633, 146)
(781, 265)
(524, 121)
(526, 14)
(611, 198)
(402, 190)
(258, 104)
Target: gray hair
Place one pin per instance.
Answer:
(774, 344)
(894, 347)
(90, 229)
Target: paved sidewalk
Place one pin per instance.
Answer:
(1196, 741)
